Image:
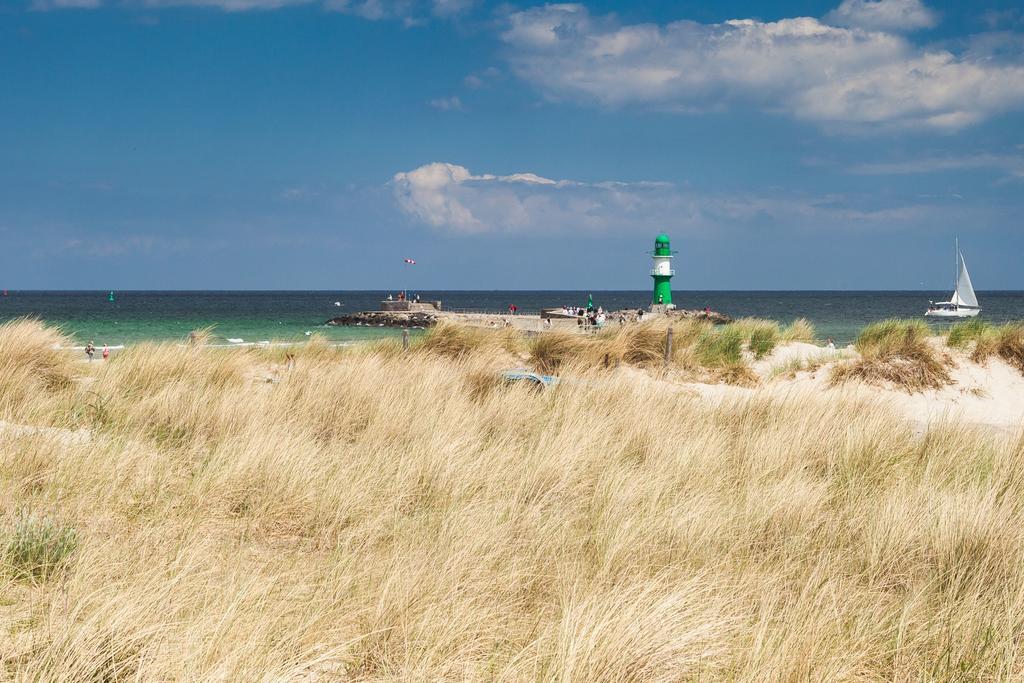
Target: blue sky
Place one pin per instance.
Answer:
(313, 144)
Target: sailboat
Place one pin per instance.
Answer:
(963, 303)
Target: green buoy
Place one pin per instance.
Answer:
(111, 297)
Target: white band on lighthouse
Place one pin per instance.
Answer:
(662, 265)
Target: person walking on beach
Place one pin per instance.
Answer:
(106, 352)
(89, 350)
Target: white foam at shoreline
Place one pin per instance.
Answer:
(119, 347)
(260, 344)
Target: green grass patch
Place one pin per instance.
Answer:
(720, 347)
(35, 547)
(962, 333)
(759, 336)
(762, 341)
(892, 336)
(896, 351)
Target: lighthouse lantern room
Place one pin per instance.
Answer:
(662, 272)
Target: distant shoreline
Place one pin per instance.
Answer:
(286, 316)
(683, 292)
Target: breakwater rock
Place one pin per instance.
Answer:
(385, 319)
(428, 318)
(714, 316)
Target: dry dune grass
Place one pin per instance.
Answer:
(455, 341)
(1009, 345)
(801, 330)
(551, 351)
(316, 347)
(987, 341)
(898, 352)
(381, 517)
(31, 364)
(699, 349)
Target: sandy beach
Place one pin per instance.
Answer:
(981, 394)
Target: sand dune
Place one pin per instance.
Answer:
(989, 394)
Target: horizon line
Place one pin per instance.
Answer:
(377, 290)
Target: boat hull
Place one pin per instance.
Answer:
(959, 313)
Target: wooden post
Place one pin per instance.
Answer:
(405, 340)
(668, 346)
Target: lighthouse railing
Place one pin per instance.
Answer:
(671, 272)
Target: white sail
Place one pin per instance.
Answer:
(963, 303)
(964, 294)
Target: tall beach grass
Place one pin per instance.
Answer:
(896, 352)
(983, 340)
(704, 351)
(379, 516)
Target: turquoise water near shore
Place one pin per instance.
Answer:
(287, 316)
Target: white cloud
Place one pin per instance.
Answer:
(452, 103)
(450, 198)
(297, 193)
(450, 8)
(410, 12)
(481, 79)
(124, 245)
(883, 15)
(428, 193)
(995, 19)
(374, 10)
(224, 5)
(1012, 165)
(834, 76)
(45, 5)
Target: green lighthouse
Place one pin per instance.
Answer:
(662, 271)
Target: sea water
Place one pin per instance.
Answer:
(135, 316)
